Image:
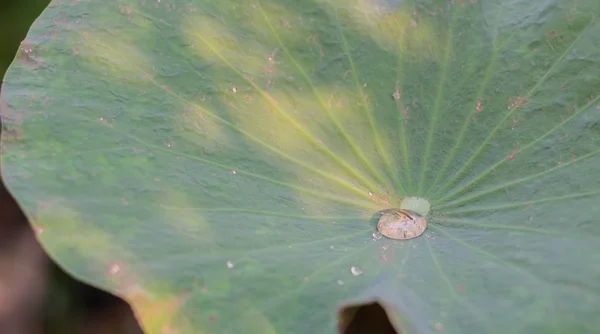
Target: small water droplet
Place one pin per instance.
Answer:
(331, 247)
(370, 193)
(234, 171)
(340, 282)
(234, 90)
(229, 264)
(376, 236)
(356, 271)
(114, 269)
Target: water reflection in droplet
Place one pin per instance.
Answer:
(401, 224)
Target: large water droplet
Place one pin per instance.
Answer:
(401, 224)
(356, 271)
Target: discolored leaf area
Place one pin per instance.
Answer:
(222, 165)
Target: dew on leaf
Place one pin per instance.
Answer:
(356, 271)
(376, 236)
(234, 90)
(229, 264)
(234, 171)
(114, 269)
(401, 224)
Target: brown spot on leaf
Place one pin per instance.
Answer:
(516, 102)
(385, 201)
(26, 55)
(479, 106)
(512, 154)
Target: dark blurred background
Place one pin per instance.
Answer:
(37, 296)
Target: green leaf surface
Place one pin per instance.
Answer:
(220, 164)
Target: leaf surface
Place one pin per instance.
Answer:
(221, 164)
